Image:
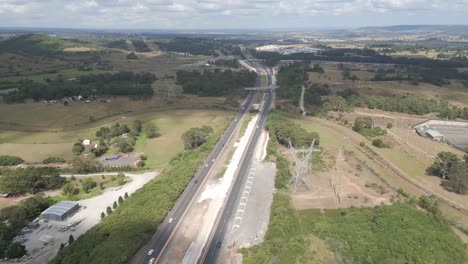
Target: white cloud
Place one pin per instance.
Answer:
(217, 13)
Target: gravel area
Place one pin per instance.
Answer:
(89, 215)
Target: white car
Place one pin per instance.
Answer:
(151, 261)
(150, 252)
(170, 220)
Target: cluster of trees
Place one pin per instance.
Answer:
(7, 160)
(199, 46)
(234, 63)
(196, 136)
(379, 143)
(217, 82)
(140, 45)
(136, 85)
(290, 79)
(365, 127)
(34, 44)
(131, 225)
(284, 130)
(113, 136)
(13, 218)
(452, 169)
(409, 105)
(120, 200)
(30, 180)
(436, 75)
(116, 44)
(359, 55)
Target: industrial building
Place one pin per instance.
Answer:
(435, 135)
(60, 211)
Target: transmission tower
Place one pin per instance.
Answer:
(170, 91)
(302, 167)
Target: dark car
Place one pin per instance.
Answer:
(218, 245)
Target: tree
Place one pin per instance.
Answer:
(61, 246)
(132, 56)
(101, 186)
(114, 205)
(443, 163)
(86, 166)
(103, 215)
(78, 148)
(194, 137)
(71, 239)
(379, 143)
(137, 126)
(108, 210)
(389, 125)
(141, 164)
(16, 250)
(120, 200)
(457, 178)
(362, 122)
(151, 130)
(88, 184)
(70, 190)
(126, 195)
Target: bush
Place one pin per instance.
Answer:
(53, 160)
(379, 143)
(16, 250)
(70, 190)
(78, 148)
(6, 160)
(88, 184)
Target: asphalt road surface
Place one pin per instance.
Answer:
(222, 226)
(164, 233)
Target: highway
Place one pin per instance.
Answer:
(216, 242)
(167, 229)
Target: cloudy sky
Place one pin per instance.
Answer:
(238, 14)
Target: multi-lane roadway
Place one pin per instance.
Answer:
(216, 242)
(167, 229)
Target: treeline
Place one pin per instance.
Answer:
(408, 105)
(14, 218)
(359, 55)
(136, 85)
(30, 180)
(216, 83)
(33, 44)
(199, 46)
(116, 44)
(131, 225)
(435, 75)
(234, 63)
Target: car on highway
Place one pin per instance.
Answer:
(171, 220)
(150, 252)
(151, 261)
(218, 245)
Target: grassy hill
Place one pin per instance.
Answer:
(38, 45)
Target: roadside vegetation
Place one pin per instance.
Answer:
(122, 233)
(7, 160)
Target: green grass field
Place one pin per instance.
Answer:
(34, 147)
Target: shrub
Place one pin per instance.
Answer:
(53, 160)
(88, 184)
(6, 160)
(16, 250)
(379, 143)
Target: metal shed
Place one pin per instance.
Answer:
(60, 211)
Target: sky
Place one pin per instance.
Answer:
(229, 14)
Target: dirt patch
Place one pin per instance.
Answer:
(79, 49)
(342, 185)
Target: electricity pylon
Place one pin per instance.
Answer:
(302, 166)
